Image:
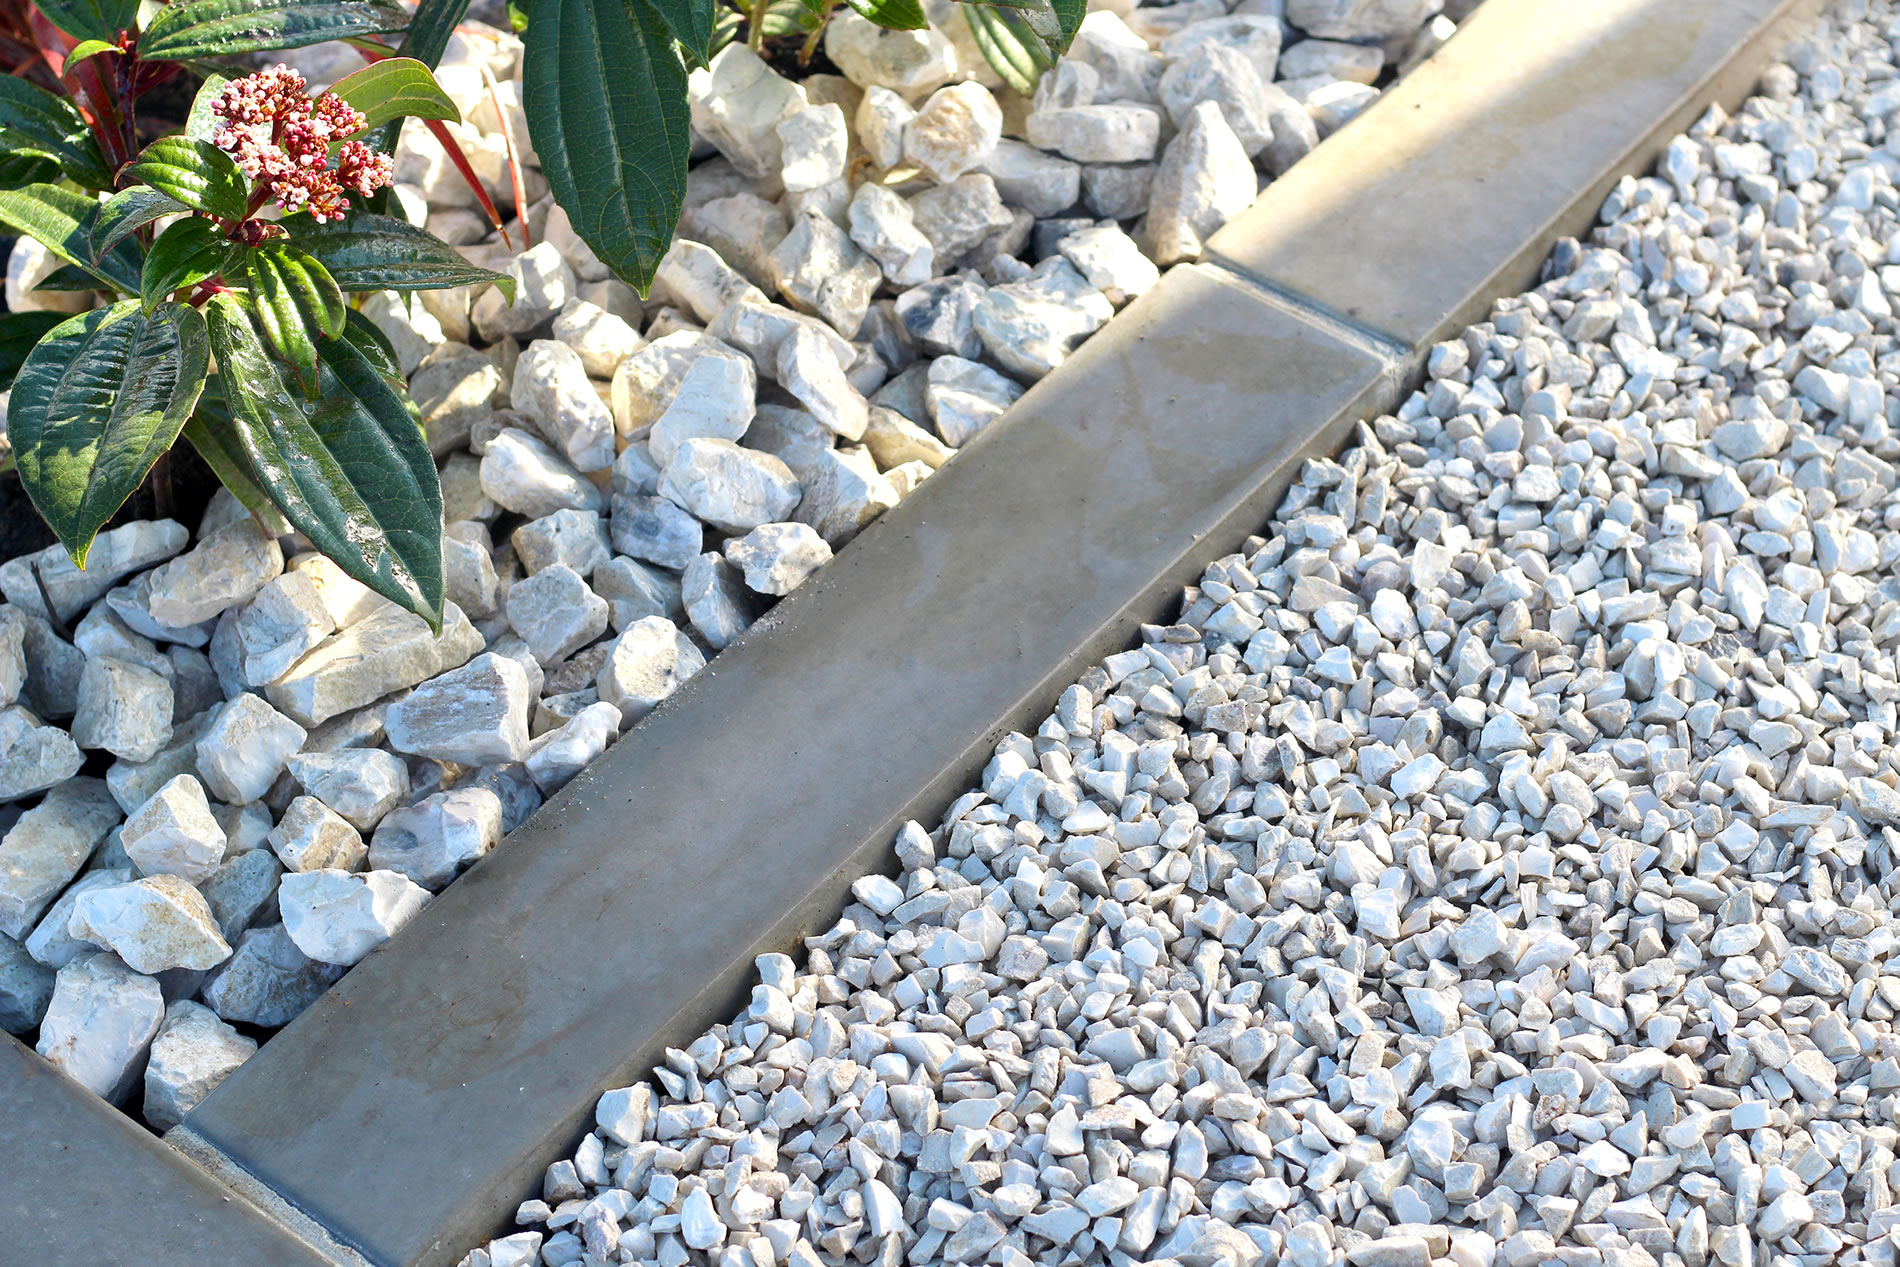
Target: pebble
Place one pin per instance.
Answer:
(556, 613)
(520, 472)
(33, 757)
(715, 399)
(387, 651)
(557, 756)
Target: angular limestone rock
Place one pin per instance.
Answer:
(174, 833)
(337, 917)
(267, 981)
(49, 845)
(193, 1053)
(100, 1024)
(124, 708)
(474, 715)
(361, 784)
(363, 662)
(244, 748)
(649, 661)
(311, 837)
(432, 841)
(154, 924)
(225, 569)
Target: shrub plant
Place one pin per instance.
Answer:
(229, 248)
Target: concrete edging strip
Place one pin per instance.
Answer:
(418, 1101)
(84, 1185)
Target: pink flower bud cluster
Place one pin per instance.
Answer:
(279, 135)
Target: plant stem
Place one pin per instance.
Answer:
(810, 45)
(162, 485)
(755, 31)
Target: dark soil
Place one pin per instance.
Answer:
(191, 486)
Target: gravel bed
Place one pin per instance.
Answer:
(227, 772)
(1494, 864)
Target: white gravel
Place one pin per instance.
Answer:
(872, 266)
(1491, 865)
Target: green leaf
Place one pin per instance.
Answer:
(90, 19)
(201, 124)
(91, 48)
(1069, 15)
(294, 298)
(68, 277)
(352, 471)
(25, 167)
(19, 331)
(1010, 47)
(691, 22)
(396, 88)
(184, 255)
(426, 40)
(96, 404)
(368, 338)
(894, 15)
(185, 29)
(371, 252)
(195, 173)
(605, 98)
(127, 212)
(209, 430)
(428, 35)
(61, 220)
(33, 119)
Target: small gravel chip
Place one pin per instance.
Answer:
(776, 558)
(267, 980)
(244, 750)
(361, 784)
(153, 924)
(124, 708)
(649, 661)
(311, 836)
(474, 715)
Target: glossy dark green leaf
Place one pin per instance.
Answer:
(129, 211)
(370, 252)
(61, 220)
(185, 29)
(396, 88)
(368, 338)
(25, 167)
(691, 22)
(296, 302)
(1009, 45)
(195, 173)
(210, 431)
(68, 277)
(605, 97)
(96, 403)
(91, 19)
(37, 121)
(200, 123)
(1069, 15)
(19, 331)
(895, 15)
(426, 40)
(351, 471)
(184, 255)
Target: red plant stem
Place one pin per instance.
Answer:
(454, 148)
(514, 164)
